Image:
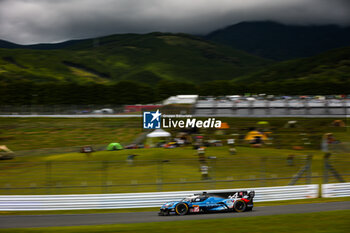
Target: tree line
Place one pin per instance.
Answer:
(128, 92)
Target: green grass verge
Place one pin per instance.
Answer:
(332, 221)
(37, 133)
(257, 204)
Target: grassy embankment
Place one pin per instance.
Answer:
(109, 172)
(37, 133)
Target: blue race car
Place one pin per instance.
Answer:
(210, 202)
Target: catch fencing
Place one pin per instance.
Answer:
(138, 200)
(128, 174)
(136, 175)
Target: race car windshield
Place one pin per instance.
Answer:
(190, 199)
(186, 199)
(194, 199)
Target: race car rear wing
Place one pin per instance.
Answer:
(236, 194)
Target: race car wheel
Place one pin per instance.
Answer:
(181, 209)
(239, 206)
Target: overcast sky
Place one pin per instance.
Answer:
(37, 21)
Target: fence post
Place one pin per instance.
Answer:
(104, 184)
(160, 176)
(193, 108)
(263, 171)
(287, 107)
(306, 107)
(267, 107)
(345, 107)
(234, 107)
(215, 106)
(329, 168)
(251, 107)
(213, 170)
(325, 167)
(306, 169)
(48, 172)
(326, 105)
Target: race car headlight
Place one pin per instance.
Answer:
(168, 205)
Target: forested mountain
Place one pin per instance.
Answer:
(281, 42)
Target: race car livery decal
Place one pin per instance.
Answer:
(229, 204)
(195, 208)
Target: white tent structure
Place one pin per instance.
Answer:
(181, 99)
(158, 133)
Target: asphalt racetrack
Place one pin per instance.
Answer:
(25, 221)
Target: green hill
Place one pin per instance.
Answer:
(330, 66)
(132, 68)
(326, 73)
(282, 42)
(147, 58)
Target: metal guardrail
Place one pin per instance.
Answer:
(282, 193)
(138, 200)
(336, 190)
